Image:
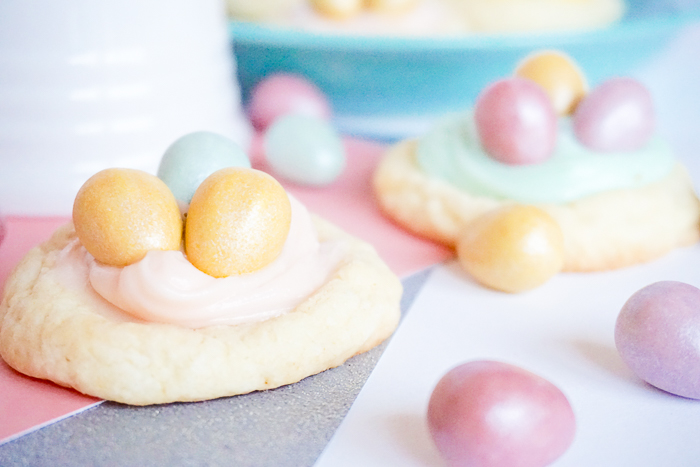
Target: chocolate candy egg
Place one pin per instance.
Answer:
(283, 94)
(657, 334)
(304, 150)
(338, 9)
(492, 414)
(616, 116)
(516, 122)
(237, 223)
(195, 156)
(512, 249)
(558, 75)
(121, 214)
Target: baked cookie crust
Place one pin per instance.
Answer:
(52, 332)
(605, 231)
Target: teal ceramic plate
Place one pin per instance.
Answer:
(389, 87)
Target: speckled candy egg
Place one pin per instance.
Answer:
(237, 223)
(492, 414)
(195, 156)
(657, 334)
(558, 75)
(304, 150)
(617, 116)
(283, 94)
(121, 214)
(512, 249)
(516, 122)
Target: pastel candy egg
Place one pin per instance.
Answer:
(195, 156)
(237, 223)
(657, 334)
(338, 9)
(512, 249)
(558, 75)
(283, 94)
(516, 122)
(304, 150)
(492, 414)
(618, 115)
(390, 6)
(121, 214)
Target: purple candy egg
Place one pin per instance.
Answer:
(617, 116)
(516, 121)
(658, 335)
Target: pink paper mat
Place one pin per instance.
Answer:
(27, 403)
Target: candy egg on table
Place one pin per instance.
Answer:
(195, 156)
(121, 214)
(338, 9)
(304, 150)
(657, 334)
(558, 75)
(516, 121)
(618, 115)
(285, 93)
(493, 414)
(237, 222)
(512, 249)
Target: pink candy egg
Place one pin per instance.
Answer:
(492, 414)
(283, 94)
(618, 115)
(657, 334)
(516, 121)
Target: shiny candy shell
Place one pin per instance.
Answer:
(121, 214)
(492, 414)
(338, 9)
(237, 223)
(516, 122)
(512, 249)
(558, 75)
(283, 94)
(195, 156)
(304, 150)
(616, 116)
(657, 334)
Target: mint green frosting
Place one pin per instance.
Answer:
(452, 151)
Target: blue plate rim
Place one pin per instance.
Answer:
(255, 34)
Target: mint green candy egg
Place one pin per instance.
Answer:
(304, 150)
(195, 156)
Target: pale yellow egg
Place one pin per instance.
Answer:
(338, 9)
(390, 6)
(121, 214)
(237, 222)
(560, 77)
(512, 249)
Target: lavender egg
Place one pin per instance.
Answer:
(617, 116)
(658, 336)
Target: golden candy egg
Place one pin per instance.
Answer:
(237, 222)
(338, 9)
(558, 75)
(512, 249)
(121, 214)
(390, 6)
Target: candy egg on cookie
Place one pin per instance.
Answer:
(237, 222)
(193, 157)
(121, 214)
(558, 75)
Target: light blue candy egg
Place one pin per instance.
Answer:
(195, 156)
(304, 150)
